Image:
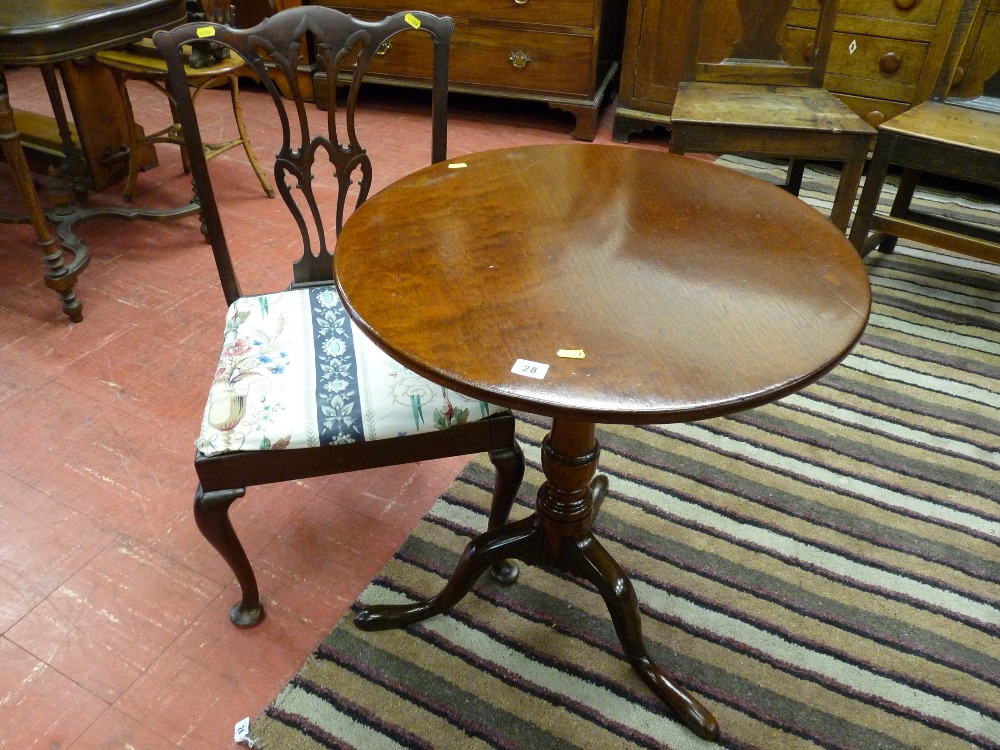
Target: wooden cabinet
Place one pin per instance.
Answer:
(885, 57)
(563, 52)
(981, 57)
(886, 54)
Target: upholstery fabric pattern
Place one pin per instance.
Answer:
(295, 372)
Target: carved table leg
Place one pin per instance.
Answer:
(517, 540)
(590, 561)
(566, 506)
(559, 536)
(57, 277)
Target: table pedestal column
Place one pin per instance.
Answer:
(558, 536)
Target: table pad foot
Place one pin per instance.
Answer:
(586, 559)
(589, 560)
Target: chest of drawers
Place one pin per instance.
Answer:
(886, 54)
(563, 52)
(885, 58)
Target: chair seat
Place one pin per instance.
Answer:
(949, 124)
(295, 372)
(765, 106)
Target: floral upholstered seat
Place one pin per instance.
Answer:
(299, 391)
(295, 372)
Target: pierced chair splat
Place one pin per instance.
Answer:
(300, 391)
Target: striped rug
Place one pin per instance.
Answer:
(822, 572)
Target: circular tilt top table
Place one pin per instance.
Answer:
(596, 284)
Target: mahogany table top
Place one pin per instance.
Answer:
(44, 31)
(692, 290)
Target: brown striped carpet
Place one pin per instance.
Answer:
(823, 572)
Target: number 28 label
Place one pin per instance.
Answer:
(530, 369)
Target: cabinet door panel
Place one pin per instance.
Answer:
(663, 38)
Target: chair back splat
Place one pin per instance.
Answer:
(344, 49)
(763, 94)
(300, 390)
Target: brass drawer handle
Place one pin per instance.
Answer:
(889, 62)
(519, 58)
(520, 2)
(384, 48)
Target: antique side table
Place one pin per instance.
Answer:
(44, 34)
(596, 284)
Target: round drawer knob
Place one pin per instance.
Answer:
(807, 51)
(519, 58)
(520, 2)
(906, 4)
(875, 118)
(959, 76)
(889, 62)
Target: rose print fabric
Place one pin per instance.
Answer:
(296, 373)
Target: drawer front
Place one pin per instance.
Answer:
(499, 58)
(568, 13)
(912, 11)
(894, 64)
(527, 60)
(873, 111)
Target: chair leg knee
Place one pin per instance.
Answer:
(211, 513)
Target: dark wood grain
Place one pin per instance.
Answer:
(41, 32)
(692, 290)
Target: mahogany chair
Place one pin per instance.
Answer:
(206, 65)
(954, 136)
(754, 103)
(299, 390)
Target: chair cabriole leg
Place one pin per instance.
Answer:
(509, 464)
(211, 513)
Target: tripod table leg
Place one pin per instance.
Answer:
(592, 562)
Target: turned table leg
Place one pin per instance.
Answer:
(57, 276)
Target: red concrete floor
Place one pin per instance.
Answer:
(113, 609)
